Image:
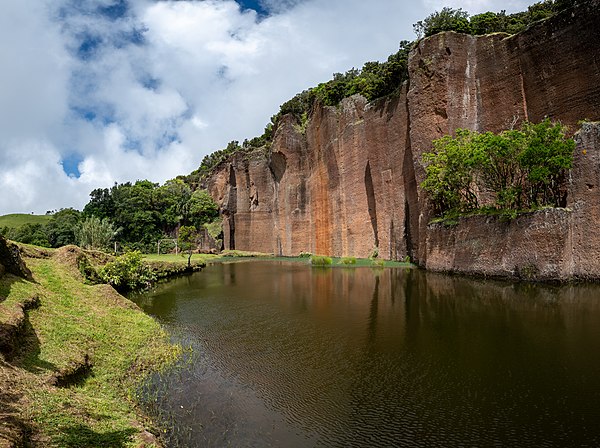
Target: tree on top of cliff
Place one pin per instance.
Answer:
(449, 19)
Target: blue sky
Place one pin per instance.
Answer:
(94, 92)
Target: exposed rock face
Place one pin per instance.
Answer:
(349, 181)
(10, 260)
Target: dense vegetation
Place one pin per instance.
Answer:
(144, 212)
(54, 230)
(449, 19)
(136, 215)
(516, 169)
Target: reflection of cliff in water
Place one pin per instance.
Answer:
(376, 356)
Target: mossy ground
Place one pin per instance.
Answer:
(76, 325)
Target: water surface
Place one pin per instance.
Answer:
(289, 355)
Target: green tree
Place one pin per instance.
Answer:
(546, 156)
(95, 233)
(171, 200)
(29, 234)
(489, 22)
(202, 208)
(523, 168)
(61, 228)
(448, 19)
(101, 203)
(499, 169)
(188, 240)
(450, 174)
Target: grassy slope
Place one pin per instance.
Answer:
(16, 220)
(74, 321)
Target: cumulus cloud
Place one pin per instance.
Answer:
(143, 89)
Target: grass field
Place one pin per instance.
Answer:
(16, 220)
(98, 342)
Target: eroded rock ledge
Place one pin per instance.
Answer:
(349, 182)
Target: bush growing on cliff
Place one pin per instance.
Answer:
(520, 169)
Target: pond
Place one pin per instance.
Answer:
(287, 355)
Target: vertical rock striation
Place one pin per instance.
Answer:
(347, 183)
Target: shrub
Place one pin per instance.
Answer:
(88, 271)
(522, 169)
(95, 233)
(348, 260)
(378, 263)
(127, 272)
(304, 255)
(320, 260)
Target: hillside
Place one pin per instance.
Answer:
(16, 220)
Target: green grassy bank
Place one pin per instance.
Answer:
(78, 355)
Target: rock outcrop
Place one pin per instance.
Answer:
(347, 183)
(11, 261)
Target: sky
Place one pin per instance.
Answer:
(94, 92)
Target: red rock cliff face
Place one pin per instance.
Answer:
(349, 182)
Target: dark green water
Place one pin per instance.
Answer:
(291, 356)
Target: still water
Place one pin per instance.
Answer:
(288, 355)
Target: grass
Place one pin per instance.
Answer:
(180, 258)
(320, 260)
(16, 220)
(76, 322)
(302, 258)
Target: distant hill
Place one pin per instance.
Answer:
(16, 220)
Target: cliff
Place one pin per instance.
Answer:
(348, 182)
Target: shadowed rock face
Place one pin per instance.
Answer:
(349, 183)
(10, 260)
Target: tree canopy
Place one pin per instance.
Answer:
(520, 169)
(449, 19)
(146, 212)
